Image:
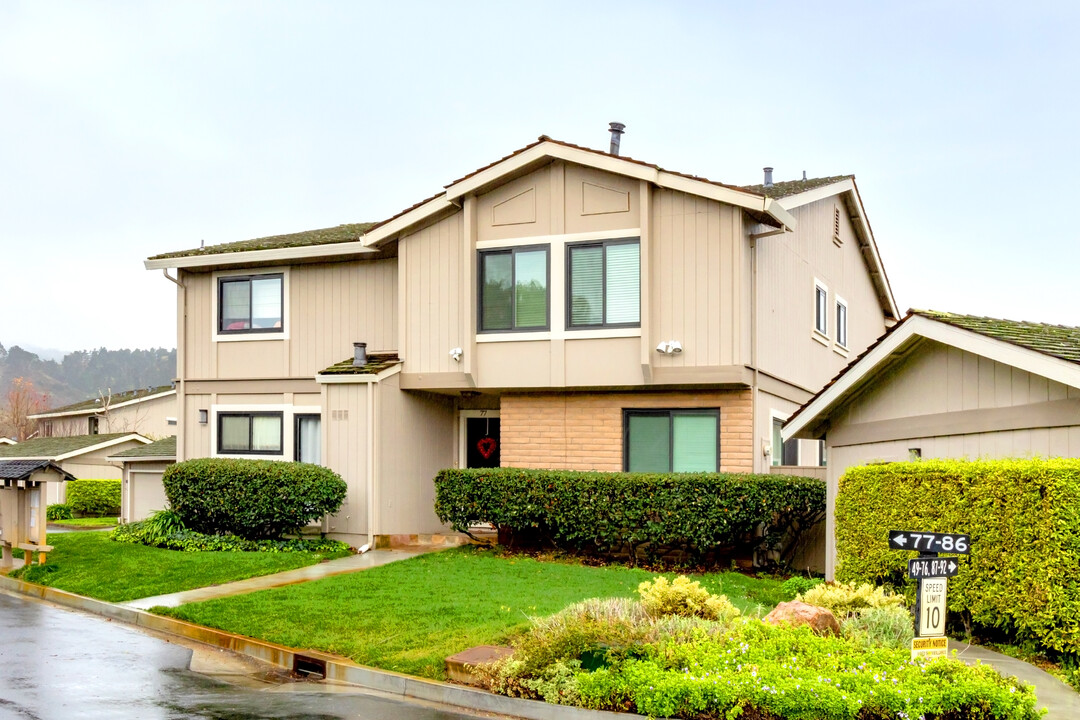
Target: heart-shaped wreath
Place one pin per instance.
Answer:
(486, 447)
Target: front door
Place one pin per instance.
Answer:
(482, 442)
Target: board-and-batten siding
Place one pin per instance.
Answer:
(345, 449)
(699, 258)
(430, 268)
(787, 266)
(331, 306)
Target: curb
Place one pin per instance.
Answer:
(337, 668)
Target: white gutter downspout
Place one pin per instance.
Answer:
(181, 351)
(757, 455)
(371, 464)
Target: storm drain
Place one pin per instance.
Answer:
(308, 667)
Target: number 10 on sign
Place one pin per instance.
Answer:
(932, 607)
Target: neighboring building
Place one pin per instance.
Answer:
(143, 466)
(150, 412)
(82, 456)
(562, 308)
(7, 441)
(940, 385)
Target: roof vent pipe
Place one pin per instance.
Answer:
(768, 177)
(804, 176)
(617, 129)
(359, 358)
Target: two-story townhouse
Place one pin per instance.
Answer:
(562, 307)
(150, 411)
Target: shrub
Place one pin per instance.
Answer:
(684, 597)
(888, 626)
(700, 512)
(58, 511)
(161, 525)
(252, 499)
(844, 599)
(1024, 520)
(798, 584)
(94, 498)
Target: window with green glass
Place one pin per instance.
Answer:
(514, 289)
(604, 287)
(671, 440)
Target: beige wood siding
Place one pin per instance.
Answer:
(431, 276)
(330, 306)
(143, 492)
(787, 266)
(345, 450)
(416, 437)
(148, 418)
(698, 295)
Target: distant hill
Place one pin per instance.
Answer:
(81, 375)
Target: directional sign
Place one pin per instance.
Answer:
(932, 567)
(930, 647)
(931, 607)
(928, 542)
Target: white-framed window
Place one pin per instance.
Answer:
(677, 440)
(250, 433)
(514, 289)
(271, 431)
(821, 308)
(603, 286)
(782, 453)
(841, 322)
(250, 305)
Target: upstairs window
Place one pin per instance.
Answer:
(841, 323)
(250, 304)
(821, 308)
(253, 433)
(93, 426)
(514, 289)
(604, 288)
(664, 441)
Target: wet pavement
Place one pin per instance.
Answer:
(65, 665)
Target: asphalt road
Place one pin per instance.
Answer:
(65, 665)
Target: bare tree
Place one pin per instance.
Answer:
(23, 400)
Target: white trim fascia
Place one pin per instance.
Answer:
(998, 350)
(91, 448)
(819, 193)
(739, 198)
(9, 441)
(357, 247)
(560, 334)
(567, 239)
(95, 410)
(394, 227)
(142, 458)
(358, 378)
(286, 321)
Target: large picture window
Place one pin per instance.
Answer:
(604, 284)
(250, 433)
(250, 304)
(514, 289)
(671, 440)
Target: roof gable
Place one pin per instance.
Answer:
(787, 188)
(158, 449)
(116, 400)
(24, 469)
(1010, 342)
(58, 448)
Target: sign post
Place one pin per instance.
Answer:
(932, 572)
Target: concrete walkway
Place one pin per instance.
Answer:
(341, 566)
(1061, 700)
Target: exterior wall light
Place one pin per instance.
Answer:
(456, 353)
(203, 417)
(669, 347)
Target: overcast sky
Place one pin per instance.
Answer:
(129, 129)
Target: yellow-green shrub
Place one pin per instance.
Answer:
(684, 597)
(843, 599)
(94, 498)
(1023, 517)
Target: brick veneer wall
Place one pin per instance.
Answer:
(584, 431)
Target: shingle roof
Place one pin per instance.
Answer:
(1058, 341)
(377, 362)
(794, 187)
(54, 446)
(161, 448)
(23, 469)
(350, 232)
(115, 399)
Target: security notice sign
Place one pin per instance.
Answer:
(931, 607)
(930, 647)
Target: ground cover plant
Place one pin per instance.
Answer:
(621, 655)
(409, 616)
(88, 563)
(86, 522)
(165, 529)
(637, 513)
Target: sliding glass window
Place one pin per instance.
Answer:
(604, 288)
(671, 440)
(514, 289)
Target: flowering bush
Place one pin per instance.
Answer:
(847, 599)
(684, 597)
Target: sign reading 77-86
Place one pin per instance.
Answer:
(929, 542)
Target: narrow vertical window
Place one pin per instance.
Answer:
(841, 323)
(308, 439)
(821, 308)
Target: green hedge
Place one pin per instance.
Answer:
(1023, 574)
(699, 512)
(94, 498)
(252, 499)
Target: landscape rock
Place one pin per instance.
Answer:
(796, 613)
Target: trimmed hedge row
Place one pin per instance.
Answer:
(252, 499)
(604, 512)
(1024, 520)
(94, 498)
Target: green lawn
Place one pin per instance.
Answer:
(90, 564)
(408, 616)
(103, 522)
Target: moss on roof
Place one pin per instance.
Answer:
(350, 232)
(794, 187)
(51, 447)
(1058, 341)
(161, 448)
(116, 398)
(377, 362)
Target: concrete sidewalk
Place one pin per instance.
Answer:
(1061, 700)
(340, 566)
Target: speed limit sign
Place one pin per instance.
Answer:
(932, 607)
